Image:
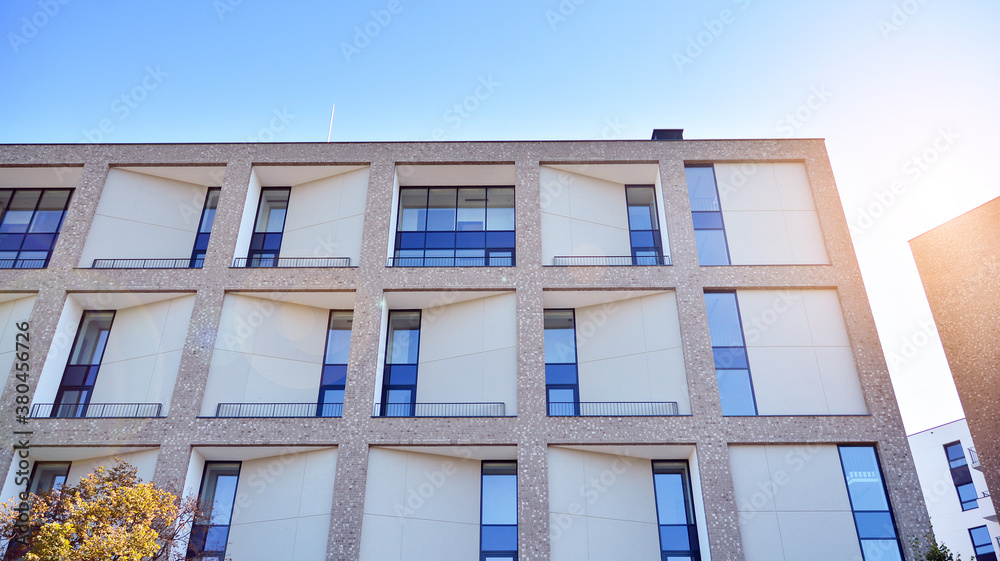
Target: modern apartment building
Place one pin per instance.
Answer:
(596, 350)
(959, 264)
(958, 500)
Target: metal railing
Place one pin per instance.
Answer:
(244, 410)
(269, 262)
(95, 410)
(450, 262)
(493, 409)
(609, 260)
(22, 263)
(613, 409)
(974, 459)
(180, 263)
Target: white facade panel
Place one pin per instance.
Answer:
(769, 214)
(325, 217)
(420, 506)
(783, 493)
(800, 355)
(144, 216)
(13, 312)
(290, 496)
(630, 351)
(266, 352)
(582, 216)
(601, 506)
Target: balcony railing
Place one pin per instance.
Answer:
(613, 409)
(291, 262)
(974, 459)
(450, 262)
(181, 263)
(95, 410)
(494, 409)
(285, 410)
(610, 260)
(22, 263)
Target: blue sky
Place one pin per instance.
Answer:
(902, 90)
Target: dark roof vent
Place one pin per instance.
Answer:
(668, 134)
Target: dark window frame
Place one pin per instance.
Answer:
(961, 476)
(576, 365)
(492, 256)
(82, 408)
(739, 319)
(323, 388)
(990, 555)
(259, 256)
(387, 385)
(18, 261)
(657, 247)
(683, 468)
(885, 492)
(189, 556)
(485, 555)
(721, 217)
(202, 239)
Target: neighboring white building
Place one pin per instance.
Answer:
(954, 487)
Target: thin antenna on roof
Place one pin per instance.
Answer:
(330, 134)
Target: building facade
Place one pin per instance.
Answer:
(958, 500)
(493, 350)
(959, 264)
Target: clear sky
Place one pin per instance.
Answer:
(903, 91)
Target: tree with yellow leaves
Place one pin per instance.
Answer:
(110, 515)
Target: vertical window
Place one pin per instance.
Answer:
(732, 367)
(675, 511)
(498, 519)
(982, 543)
(961, 475)
(334, 378)
(204, 228)
(455, 227)
(265, 243)
(561, 383)
(80, 375)
(48, 476)
(706, 213)
(210, 532)
(644, 225)
(399, 377)
(870, 504)
(29, 226)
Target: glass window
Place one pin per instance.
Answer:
(702, 190)
(404, 337)
(732, 368)
(498, 518)
(961, 475)
(982, 543)
(706, 214)
(208, 213)
(447, 227)
(271, 213)
(870, 503)
(92, 337)
(674, 510)
(562, 382)
(19, 213)
(641, 202)
(560, 337)
(334, 376)
(80, 374)
(724, 319)
(210, 533)
(48, 476)
(48, 217)
(30, 221)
